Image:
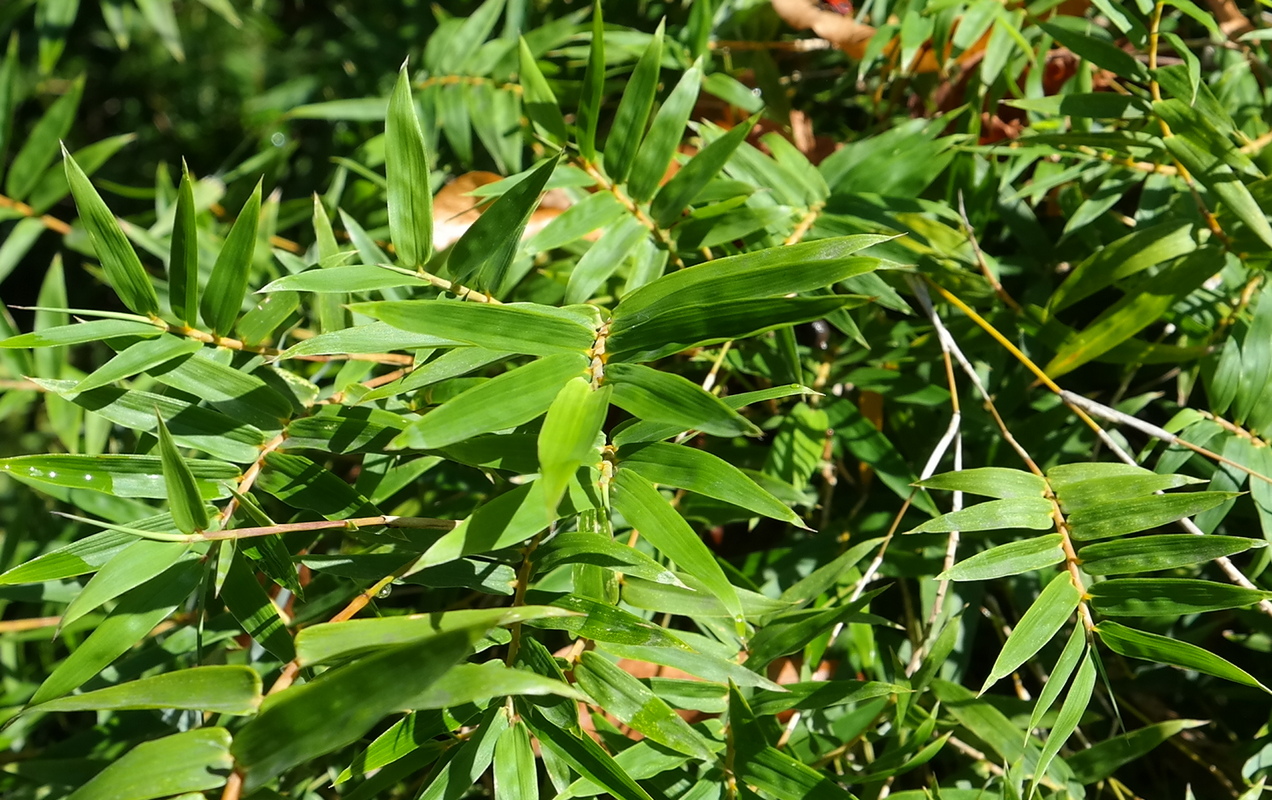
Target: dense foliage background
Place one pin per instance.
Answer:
(838, 402)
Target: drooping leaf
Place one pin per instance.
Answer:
(1054, 606)
(1164, 650)
(218, 689)
(193, 761)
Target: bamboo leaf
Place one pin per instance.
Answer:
(227, 286)
(989, 481)
(1152, 553)
(515, 328)
(123, 476)
(123, 269)
(1164, 650)
(184, 499)
(655, 396)
(514, 398)
(645, 509)
(568, 438)
(1033, 513)
(687, 184)
(40, 148)
(1100, 760)
(586, 757)
(1071, 711)
(217, 689)
(1148, 597)
(1055, 604)
(539, 101)
(1012, 558)
(193, 761)
(591, 96)
(1073, 651)
(665, 135)
(516, 770)
(406, 167)
(1117, 519)
(633, 110)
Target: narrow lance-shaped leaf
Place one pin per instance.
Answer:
(657, 396)
(1071, 711)
(223, 297)
(1147, 597)
(568, 436)
(694, 176)
(593, 88)
(487, 248)
(586, 757)
(1048, 613)
(1152, 553)
(406, 168)
(183, 260)
(513, 328)
(633, 110)
(637, 706)
(537, 98)
(1164, 650)
(516, 771)
(192, 761)
(219, 689)
(188, 511)
(514, 398)
(123, 269)
(645, 509)
(1068, 661)
(665, 134)
(1012, 558)
(40, 148)
(137, 613)
(1033, 513)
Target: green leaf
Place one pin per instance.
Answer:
(1055, 604)
(221, 690)
(40, 147)
(1130, 516)
(1073, 651)
(665, 135)
(601, 622)
(586, 757)
(515, 328)
(692, 599)
(514, 398)
(77, 558)
(469, 760)
(339, 280)
(336, 709)
(1012, 558)
(632, 702)
(1085, 494)
(568, 438)
(193, 761)
(699, 471)
(1097, 51)
(792, 631)
(473, 683)
(378, 337)
(599, 551)
(637, 432)
(1164, 650)
(136, 564)
(516, 770)
(1102, 759)
(301, 483)
(1149, 597)
(508, 519)
(688, 183)
(645, 509)
(539, 102)
(223, 296)
(136, 615)
(1123, 258)
(593, 89)
(989, 481)
(604, 258)
(1033, 513)
(138, 358)
(1071, 711)
(486, 250)
(772, 771)
(247, 601)
(763, 274)
(184, 499)
(406, 167)
(123, 476)
(81, 332)
(712, 323)
(656, 396)
(8, 93)
(1143, 305)
(333, 641)
(123, 269)
(1152, 553)
(628, 128)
